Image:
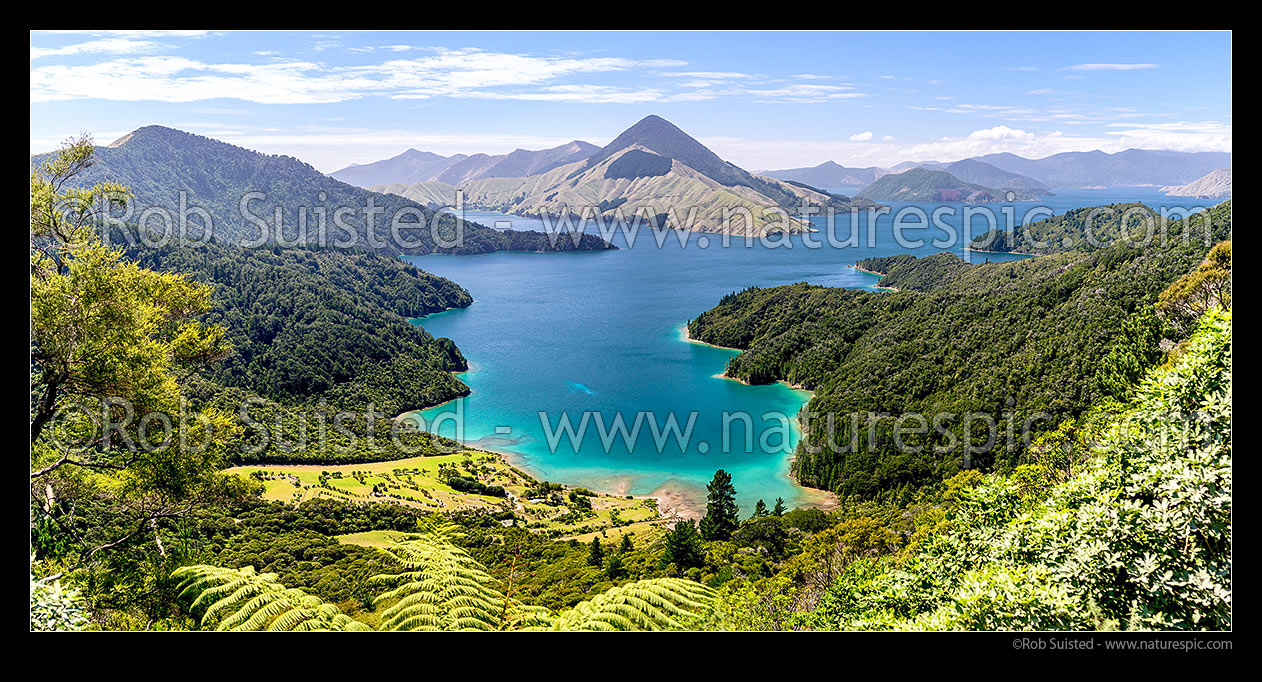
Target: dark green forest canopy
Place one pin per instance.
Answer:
(1092, 227)
(1023, 336)
(325, 323)
(158, 163)
(906, 271)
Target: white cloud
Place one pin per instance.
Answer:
(709, 75)
(422, 73)
(101, 46)
(456, 73)
(803, 93)
(1184, 136)
(1110, 67)
(176, 79)
(599, 94)
(861, 137)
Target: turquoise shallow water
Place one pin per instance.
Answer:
(600, 334)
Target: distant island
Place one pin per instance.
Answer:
(924, 184)
(1214, 185)
(830, 174)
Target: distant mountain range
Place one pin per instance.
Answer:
(830, 174)
(1214, 185)
(927, 184)
(650, 170)
(982, 173)
(1131, 168)
(167, 168)
(417, 166)
(1069, 170)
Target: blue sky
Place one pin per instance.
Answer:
(760, 100)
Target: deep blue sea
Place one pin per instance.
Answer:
(599, 334)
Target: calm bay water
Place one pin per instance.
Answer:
(600, 334)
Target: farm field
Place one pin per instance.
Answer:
(490, 484)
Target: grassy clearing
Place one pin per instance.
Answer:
(551, 509)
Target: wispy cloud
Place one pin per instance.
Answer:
(100, 46)
(709, 75)
(1111, 67)
(436, 72)
(455, 73)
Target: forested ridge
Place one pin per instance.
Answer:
(156, 164)
(906, 271)
(1024, 337)
(310, 323)
(1086, 229)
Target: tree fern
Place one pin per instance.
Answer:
(241, 599)
(443, 588)
(659, 604)
(440, 587)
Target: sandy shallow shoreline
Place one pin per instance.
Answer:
(815, 497)
(675, 499)
(721, 375)
(1001, 253)
(874, 272)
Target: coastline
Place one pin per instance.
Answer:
(1000, 253)
(673, 504)
(675, 500)
(815, 497)
(878, 274)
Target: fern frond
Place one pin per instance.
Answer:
(658, 604)
(241, 599)
(443, 589)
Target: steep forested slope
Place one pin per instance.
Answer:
(1015, 341)
(324, 323)
(1137, 537)
(1095, 227)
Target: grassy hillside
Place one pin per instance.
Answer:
(651, 170)
(158, 163)
(982, 173)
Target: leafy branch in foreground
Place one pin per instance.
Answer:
(111, 344)
(440, 588)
